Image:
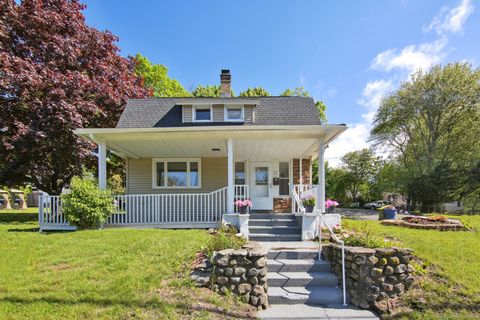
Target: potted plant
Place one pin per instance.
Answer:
(243, 205)
(308, 201)
(330, 205)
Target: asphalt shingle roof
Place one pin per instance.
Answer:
(167, 112)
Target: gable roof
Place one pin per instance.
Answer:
(167, 112)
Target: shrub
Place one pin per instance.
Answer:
(364, 237)
(224, 238)
(85, 205)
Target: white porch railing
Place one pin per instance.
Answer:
(322, 222)
(50, 215)
(241, 193)
(179, 210)
(300, 191)
(155, 209)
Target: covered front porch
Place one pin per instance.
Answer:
(190, 177)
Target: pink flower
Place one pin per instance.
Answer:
(244, 203)
(329, 203)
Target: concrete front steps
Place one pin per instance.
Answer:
(298, 277)
(273, 227)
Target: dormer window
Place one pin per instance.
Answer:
(202, 113)
(234, 113)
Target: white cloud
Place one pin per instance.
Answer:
(372, 94)
(451, 20)
(412, 57)
(354, 138)
(397, 63)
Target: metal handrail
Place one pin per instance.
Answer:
(333, 236)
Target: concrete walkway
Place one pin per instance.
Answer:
(303, 311)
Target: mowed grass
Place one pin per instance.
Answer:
(452, 287)
(102, 274)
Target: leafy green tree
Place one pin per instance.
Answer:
(360, 168)
(155, 78)
(432, 124)
(255, 92)
(209, 91)
(296, 92)
(322, 111)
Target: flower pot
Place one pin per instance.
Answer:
(243, 210)
(330, 210)
(309, 208)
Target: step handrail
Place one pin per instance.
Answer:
(322, 221)
(333, 236)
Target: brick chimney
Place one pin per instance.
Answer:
(225, 83)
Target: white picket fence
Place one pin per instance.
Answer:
(186, 210)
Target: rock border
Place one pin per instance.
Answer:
(450, 225)
(375, 278)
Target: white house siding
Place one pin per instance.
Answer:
(139, 177)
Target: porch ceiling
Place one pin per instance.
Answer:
(248, 143)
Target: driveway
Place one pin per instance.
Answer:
(358, 214)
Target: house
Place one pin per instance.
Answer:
(188, 159)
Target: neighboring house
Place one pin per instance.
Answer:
(398, 200)
(188, 159)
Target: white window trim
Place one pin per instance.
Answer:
(165, 160)
(202, 107)
(225, 112)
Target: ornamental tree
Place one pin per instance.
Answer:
(57, 74)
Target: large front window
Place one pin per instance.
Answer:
(176, 173)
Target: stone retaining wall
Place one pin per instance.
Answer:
(374, 277)
(242, 272)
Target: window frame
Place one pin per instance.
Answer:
(165, 168)
(202, 107)
(289, 178)
(236, 106)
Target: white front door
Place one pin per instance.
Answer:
(261, 186)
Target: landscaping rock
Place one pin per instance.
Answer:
(201, 278)
(242, 272)
(375, 278)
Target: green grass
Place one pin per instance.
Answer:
(453, 282)
(102, 274)
(18, 216)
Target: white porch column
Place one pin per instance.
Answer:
(321, 178)
(230, 181)
(102, 164)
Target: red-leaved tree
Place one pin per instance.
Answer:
(56, 74)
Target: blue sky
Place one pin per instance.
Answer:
(346, 53)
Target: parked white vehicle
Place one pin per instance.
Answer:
(376, 204)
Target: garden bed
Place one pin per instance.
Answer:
(435, 222)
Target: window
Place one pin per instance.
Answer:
(284, 179)
(202, 113)
(234, 113)
(240, 173)
(176, 173)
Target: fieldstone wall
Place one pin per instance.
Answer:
(242, 272)
(374, 277)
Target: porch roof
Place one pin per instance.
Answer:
(250, 142)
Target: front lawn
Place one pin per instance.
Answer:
(103, 274)
(451, 289)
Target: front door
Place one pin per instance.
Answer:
(261, 186)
